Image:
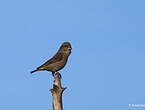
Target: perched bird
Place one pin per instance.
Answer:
(58, 61)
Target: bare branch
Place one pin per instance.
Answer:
(57, 92)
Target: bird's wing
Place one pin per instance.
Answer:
(56, 58)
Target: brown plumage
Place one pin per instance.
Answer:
(58, 61)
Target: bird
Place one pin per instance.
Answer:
(58, 61)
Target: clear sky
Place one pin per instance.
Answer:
(106, 70)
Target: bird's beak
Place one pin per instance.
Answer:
(70, 48)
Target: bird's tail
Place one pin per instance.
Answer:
(33, 71)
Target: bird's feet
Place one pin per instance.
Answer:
(54, 74)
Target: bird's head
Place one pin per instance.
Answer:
(66, 48)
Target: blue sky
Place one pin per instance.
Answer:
(105, 70)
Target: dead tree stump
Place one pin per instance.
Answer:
(57, 92)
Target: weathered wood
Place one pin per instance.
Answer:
(57, 92)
